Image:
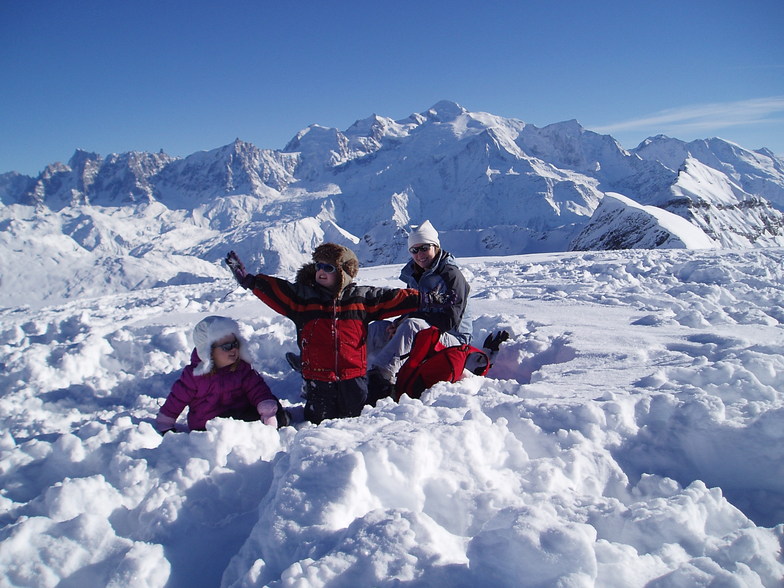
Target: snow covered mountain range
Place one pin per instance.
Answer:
(491, 185)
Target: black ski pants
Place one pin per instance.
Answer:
(334, 400)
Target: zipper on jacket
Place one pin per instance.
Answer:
(335, 336)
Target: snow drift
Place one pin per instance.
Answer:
(629, 434)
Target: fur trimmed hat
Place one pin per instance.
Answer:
(341, 257)
(344, 260)
(209, 330)
(424, 233)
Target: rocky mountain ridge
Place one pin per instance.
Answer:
(491, 185)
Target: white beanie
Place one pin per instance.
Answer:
(424, 233)
(208, 331)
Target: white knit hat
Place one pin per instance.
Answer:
(424, 233)
(208, 331)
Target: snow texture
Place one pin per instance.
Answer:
(629, 434)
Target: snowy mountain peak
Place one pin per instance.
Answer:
(314, 137)
(491, 185)
(81, 158)
(416, 119)
(367, 135)
(241, 147)
(370, 125)
(765, 152)
(569, 145)
(569, 127)
(756, 172)
(654, 139)
(444, 111)
(622, 223)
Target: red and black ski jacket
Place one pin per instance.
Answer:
(332, 327)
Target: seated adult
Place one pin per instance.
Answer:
(430, 269)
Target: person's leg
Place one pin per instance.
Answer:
(351, 396)
(321, 402)
(449, 340)
(391, 357)
(243, 413)
(378, 387)
(379, 334)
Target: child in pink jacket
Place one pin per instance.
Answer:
(219, 382)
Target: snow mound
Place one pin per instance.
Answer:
(628, 434)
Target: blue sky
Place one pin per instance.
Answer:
(186, 76)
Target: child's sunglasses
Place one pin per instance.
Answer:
(228, 346)
(325, 267)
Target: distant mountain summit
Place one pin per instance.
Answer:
(491, 185)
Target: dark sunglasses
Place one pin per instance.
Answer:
(425, 247)
(228, 346)
(325, 267)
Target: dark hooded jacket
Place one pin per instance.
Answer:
(332, 326)
(443, 276)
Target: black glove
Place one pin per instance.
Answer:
(493, 342)
(438, 300)
(237, 268)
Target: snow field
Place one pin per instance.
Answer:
(629, 434)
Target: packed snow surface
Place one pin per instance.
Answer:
(630, 433)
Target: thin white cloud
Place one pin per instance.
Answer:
(760, 66)
(703, 117)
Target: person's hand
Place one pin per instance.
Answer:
(237, 268)
(268, 410)
(438, 300)
(164, 424)
(493, 341)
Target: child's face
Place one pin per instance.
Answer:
(326, 278)
(220, 356)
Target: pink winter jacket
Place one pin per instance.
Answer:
(234, 387)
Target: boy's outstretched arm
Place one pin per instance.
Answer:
(280, 295)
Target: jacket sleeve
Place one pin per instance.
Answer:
(381, 303)
(182, 392)
(448, 319)
(280, 295)
(256, 388)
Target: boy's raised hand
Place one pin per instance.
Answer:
(237, 268)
